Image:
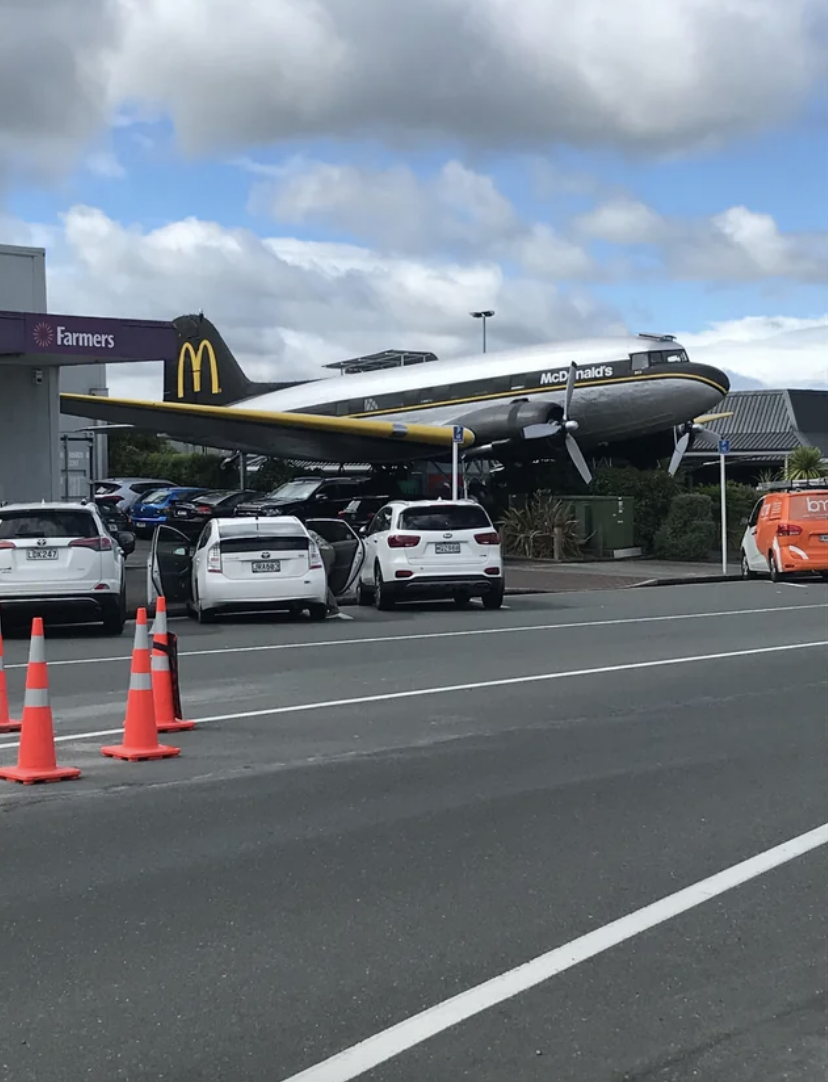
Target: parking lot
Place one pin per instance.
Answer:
(376, 814)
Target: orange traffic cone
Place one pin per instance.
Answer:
(7, 724)
(140, 733)
(162, 686)
(36, 759)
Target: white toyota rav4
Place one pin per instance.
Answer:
(60, 557)
(431, 549)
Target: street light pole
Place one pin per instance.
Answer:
(484, 316)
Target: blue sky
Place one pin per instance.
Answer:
(324, 187)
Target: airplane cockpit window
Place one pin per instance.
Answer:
(641, 361)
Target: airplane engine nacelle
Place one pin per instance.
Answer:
(505, 422)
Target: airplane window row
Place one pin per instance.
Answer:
(465, 392)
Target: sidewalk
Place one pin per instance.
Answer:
(538, 576)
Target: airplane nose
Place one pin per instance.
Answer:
(717, 376)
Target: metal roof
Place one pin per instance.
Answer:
(769, 424)
(388, 358)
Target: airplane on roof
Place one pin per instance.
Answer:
(524, 404)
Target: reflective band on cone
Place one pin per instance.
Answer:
(7, 723)
(140, 732)
(36, 759)
(162, 686)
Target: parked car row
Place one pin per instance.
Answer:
(410, 551)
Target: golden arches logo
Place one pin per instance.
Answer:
(196, 358)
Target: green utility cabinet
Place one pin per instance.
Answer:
(605, 524)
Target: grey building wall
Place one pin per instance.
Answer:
(29, 402)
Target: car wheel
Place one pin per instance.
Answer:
(205, 616)
(746, 571)
(775, 573)
(114, 617)
(382, 595)
(493, 599)
(365, 594)
(318, 613)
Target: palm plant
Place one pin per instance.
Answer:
(804, 464)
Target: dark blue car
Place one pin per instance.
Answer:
(153, 509)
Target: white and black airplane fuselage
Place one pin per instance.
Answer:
(625, 388)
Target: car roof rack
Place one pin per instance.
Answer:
(658, 337)
(792, 486)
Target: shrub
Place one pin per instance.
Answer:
(689, 532)
(740, 500)
(530, 530)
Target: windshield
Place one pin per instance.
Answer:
(440, 517)
(294, 490)
(22, 524)
(158, 496)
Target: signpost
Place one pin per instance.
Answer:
(456, 440)
(724, 451)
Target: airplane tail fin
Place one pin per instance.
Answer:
(205, 372)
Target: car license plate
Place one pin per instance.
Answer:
(446, 549)
(181, 514)
(267, 566)
(41, 554)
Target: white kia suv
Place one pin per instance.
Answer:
(60, 558)
(431, 549)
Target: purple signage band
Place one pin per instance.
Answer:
(52, 337)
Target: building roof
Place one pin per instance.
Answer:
(769, 424)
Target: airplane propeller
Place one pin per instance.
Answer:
(689, 432)
(566, 426)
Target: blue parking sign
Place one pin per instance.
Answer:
(458, 434)
(724, 447)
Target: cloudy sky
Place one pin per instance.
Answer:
(326, 178)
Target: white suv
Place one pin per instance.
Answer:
(431, 549)
(60, 557)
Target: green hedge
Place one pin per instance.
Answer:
(739, 500)
(689, 532)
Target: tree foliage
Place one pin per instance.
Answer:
(689, 532)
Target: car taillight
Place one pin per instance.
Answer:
(97, 544)
(203, 508)
(108, 499)
(7, 545)
(788, 529)
(214, 559)
(314, 557)
(492, 537)
(403, 541)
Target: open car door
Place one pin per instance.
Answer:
(349, 549)
(170, 567)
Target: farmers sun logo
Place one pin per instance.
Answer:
(43, 334)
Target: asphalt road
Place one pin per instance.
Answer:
(378, 814)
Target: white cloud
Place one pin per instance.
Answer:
(778, 351)
(286, 306)
(456, 210)
(104, 163)
(736, 245)
(490, 73)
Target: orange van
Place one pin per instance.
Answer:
(787, 532)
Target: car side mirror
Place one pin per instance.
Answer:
(363, 530)
(127, 542)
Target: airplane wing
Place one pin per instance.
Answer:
(303, 436)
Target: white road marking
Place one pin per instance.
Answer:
(459, 633)
(391, 1042)
(447, 689)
